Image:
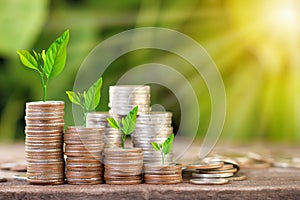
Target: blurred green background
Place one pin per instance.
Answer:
(255, 45)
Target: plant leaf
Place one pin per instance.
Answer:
(44, 56)
(74, 98)
(27, 59)
(133, 113)
(130, 121)
(155, 146)
(93, 95)
(35, 55)
(167, 145)
(56, 55)
(113, 123)
(128, 125)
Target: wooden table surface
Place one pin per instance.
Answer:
(268, 183)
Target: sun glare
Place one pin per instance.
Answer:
(284, 17)
(288, 16)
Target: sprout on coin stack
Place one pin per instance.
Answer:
(83, 145)
(126, 126)
(165, 148)
(153, 127)
(163, 174)
(45, 119)
(123, 165)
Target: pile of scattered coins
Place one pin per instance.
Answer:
(212, 171)
(44, 142)
(162, 174)
(83, 148)
(123, 166)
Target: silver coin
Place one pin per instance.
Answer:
(216, 171)
(222, 175)
(20, 177)
(209, 181)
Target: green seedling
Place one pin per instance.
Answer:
(48, 63)
(164, 148)
(87, 100)
(125, 125)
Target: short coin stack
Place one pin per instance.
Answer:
(153, 127)
(123, 98)
(123, 166)
(162, 174)
(112, 137)
(213, 172)
(83, 148)
(44, 142)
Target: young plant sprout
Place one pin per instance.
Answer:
(125, 125)
(48, 63)
(164, 148)
(88, 100)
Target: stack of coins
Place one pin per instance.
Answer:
(97, 119)
(212, 171)
(123, 166)
(112, 137)
(161, 174)
(83, 150)
(44, 142)
(153, 127)
(123, 98)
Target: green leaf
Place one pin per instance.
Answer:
(155, 146)
(36, 55)
(44, 55)
(56, 55)
(133, 113)
(130, 121)
(27, 59)
(113, 123)
(74, 98)
(167, 145)
(128, 125)
(93, 95)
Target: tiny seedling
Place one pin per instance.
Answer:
(48, 63)
(164, 148)
(87, 100)
(125, 125)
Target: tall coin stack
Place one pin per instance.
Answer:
(83, 148)
(44, 142)
(112, 137)
(123, 98)
(153, 127)
(123, 166)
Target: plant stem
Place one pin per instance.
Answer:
(44, 92)
(44, 83)
(123, 140)
(84, 118)
(162, 158)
